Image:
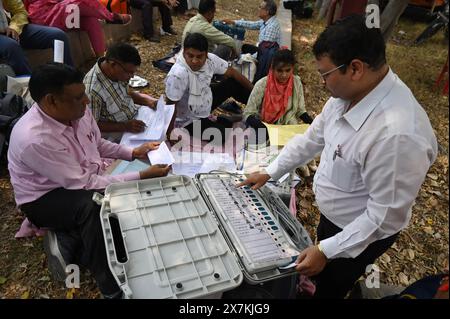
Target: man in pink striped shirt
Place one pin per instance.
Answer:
(56, 160)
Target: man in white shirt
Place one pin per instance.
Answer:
(188, 86)
(376, 144)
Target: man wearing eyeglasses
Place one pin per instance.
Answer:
(113, 103)
(57, 160)
(376, 144)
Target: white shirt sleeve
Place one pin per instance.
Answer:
(176, 86)
(393, 172)
(219, 65)
(300, 149)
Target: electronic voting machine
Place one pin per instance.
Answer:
(182, 237)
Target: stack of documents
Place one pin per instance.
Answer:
(191, 163)
(157, 122)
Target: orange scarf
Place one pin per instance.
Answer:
(276, 98)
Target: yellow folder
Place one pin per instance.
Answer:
(281, 134)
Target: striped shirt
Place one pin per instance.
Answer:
(110, 100)
(268, 31)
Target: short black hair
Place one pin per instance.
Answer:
(283, 56)
(51, 78)
(271, 7)
(123, 52)
(206, 6)
(349, 39)
(196, 41)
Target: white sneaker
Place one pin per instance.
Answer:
(162, 32)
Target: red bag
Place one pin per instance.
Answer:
(117, 6)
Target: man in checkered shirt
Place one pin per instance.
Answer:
(113, 103)
(268, 25)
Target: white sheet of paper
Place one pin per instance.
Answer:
(157, 122)
(187, 163)
(126, 167)
(148, 116)
(58, 51)
(191, 163)
(162, 155)
(218, 161)
(134, 143)
(186, 169)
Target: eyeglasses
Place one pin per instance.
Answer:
(123, 67)
(323, 75)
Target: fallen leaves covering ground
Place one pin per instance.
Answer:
(422, 249)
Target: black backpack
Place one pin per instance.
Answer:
(12, 107)
(163, 64)
(266, 50)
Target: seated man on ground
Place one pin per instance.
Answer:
(17, 34)
(182, 9)
(268, 26)
(188, 86)
(147, 16)
(113, 103)
(56, 160)
(277, 98)
(217, 40)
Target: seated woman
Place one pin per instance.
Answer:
(277, 98)
(53, 13)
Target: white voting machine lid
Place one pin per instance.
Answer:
(177, 237)
(172, 247)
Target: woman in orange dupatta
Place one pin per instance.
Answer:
(277, 98)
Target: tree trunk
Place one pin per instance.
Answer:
(323, 9)
(390, 16)
(318, 4)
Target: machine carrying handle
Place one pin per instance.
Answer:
(119, 244)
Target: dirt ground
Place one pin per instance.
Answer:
(422, 249)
